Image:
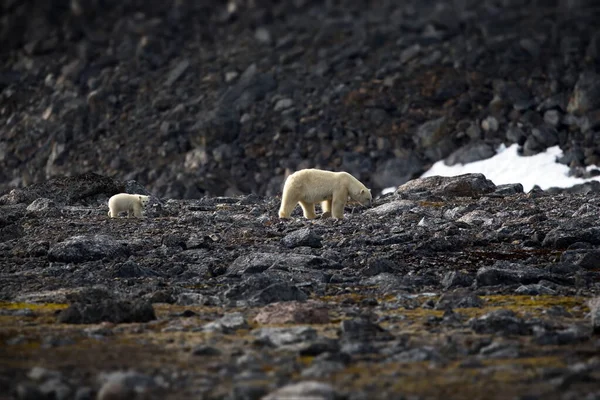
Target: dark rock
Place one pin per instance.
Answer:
(586, 95)
(504, 322)
(454, 279)
(573, 334)
(572, 232)
(66, 190)
(305, 390)
(108, 310)
(534, 290)
(418, 354)
(362, 329)
(584, 258)
(280, 291)
(509, 189)
(467, 185)
(470, 153)
(376, 266)
(254, 263)
(130, 269)
(398, 170)
(79, 249)
(204, 350)
(594, 305)
(302, 237)
(503, 273)
(458, 299)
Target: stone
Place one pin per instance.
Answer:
(467, 185)
(293, 312)
(502, 321)
(305, 390)
(108, 310)
(77, 249)
(302, 237)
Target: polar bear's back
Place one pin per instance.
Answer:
(314, 185)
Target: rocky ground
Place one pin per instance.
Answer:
(447, 288)
(209, 97)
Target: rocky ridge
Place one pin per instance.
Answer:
(223, 98)
(449, 287)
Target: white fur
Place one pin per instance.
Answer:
(331, 189)
(132, 203)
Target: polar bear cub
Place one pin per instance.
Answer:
(132, 203)
(331, 189)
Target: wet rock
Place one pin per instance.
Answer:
(306, 390)
(302, 237)
(293, 312)
(117, 311)
(79, 249)
(467, 185)
(504, 322)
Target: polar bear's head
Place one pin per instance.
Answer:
(144, 200)
(364, 197)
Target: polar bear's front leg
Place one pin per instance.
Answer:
(137, 210)
(287, 206)
(338, 203)
(308, 209)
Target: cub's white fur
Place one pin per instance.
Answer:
(132, 203)
(331, 189)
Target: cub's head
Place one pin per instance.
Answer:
(364, 197)
(144, 200)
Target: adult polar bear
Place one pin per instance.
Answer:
(331, 189)
(132, 203)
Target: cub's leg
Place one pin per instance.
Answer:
(137, 211)
(287, 206)
(308, 209)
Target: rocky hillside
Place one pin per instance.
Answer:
(447, 288)
(214, 97)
